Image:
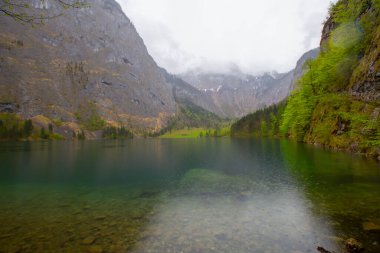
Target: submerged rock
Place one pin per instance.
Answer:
(221, 237)
(243, 195)
(210, 182)
(371, 226)
(100, 218)
(88, 240)
(353, 246)
(95, 249)
(323, 250)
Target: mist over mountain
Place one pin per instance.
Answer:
(90, 68)
(216, 35)
(237, 94)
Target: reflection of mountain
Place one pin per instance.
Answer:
(238, 94)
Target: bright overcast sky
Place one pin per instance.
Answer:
(216, 35)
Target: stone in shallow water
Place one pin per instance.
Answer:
(335, 239)
(353, 246)
(118, 249)
(95, 249)
(221, 237)
(5, 236)
(370, 226)
(88, 240)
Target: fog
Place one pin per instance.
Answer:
(220, 35)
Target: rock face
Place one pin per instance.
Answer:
(365, 81)
(235, 95)
(91, 64)
(183, 92)
(88, 62)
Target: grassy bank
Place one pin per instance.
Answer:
(192, 133)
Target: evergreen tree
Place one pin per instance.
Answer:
(43, 134)
(28, 127)
(50, 128)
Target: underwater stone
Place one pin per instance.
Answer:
(370, 226)
(353, 246)
(95, 249)
(323, 250)
(88, 240)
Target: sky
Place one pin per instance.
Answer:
(253, 36)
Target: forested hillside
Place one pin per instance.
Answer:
(337, 101)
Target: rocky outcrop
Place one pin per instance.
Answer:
(183, 92)
(365, 81)
(90, 65)
(88, 62)
(328, 27)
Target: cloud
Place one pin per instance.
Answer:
(212, 35)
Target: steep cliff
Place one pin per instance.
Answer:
(235, 95)
(88, 66)
(338, 102)
(194, 108)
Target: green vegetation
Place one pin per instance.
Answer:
(89, 117)
(193, 121)
(188, 133)
(321, 109)
(117, 133)
(12, 127)
(80, 135)
(191, 115)
(264, 122)
(184, 133)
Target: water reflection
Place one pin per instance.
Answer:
(209, 195)
(262, 218)
(344, 188)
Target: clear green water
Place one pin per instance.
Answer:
(215, 195)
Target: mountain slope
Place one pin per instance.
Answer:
(235, 95)
(83, 67)
(337, 101)
(338, 104)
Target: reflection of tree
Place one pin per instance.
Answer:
(343, 188)
(19, 10)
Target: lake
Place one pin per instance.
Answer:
(202, 195)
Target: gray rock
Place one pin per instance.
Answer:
(87, 56)
(353, 246)
(237, 94)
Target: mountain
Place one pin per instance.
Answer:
(338, 104)
(184, 93)
(193, 106)
(337, 100)
(86, 68)
(235, 95)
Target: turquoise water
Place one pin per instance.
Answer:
(209, 195)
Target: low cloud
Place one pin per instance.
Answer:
(213, 35)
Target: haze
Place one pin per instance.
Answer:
(222, 35)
